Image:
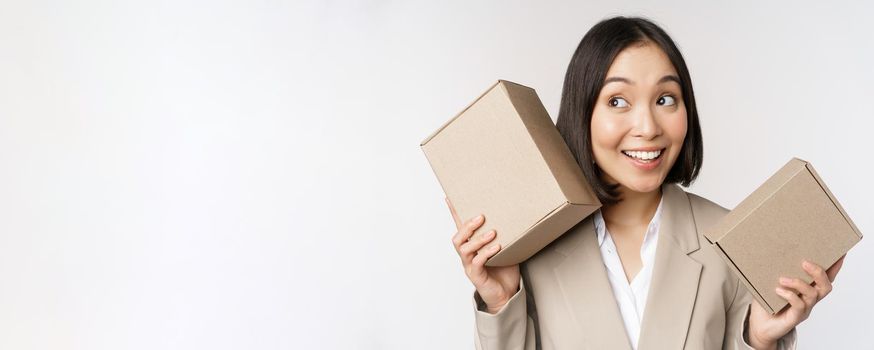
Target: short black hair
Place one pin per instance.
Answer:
(582, 85)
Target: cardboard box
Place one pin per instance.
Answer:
(503, 157)
(791, 217)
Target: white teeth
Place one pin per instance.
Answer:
(643, 155)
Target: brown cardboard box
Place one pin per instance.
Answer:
(503, 157)
(791, 217)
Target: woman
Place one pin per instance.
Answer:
(637, 273)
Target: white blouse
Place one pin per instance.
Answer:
(631, 298)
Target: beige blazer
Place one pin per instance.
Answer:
(565, 299)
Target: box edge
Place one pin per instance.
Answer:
(742, 278)
(834, 200)
(445, 124)
(749, 212)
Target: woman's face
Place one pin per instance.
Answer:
(639, 120)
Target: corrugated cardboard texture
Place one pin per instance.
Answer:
(502, 157)
(791, 217)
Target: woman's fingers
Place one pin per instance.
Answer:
(808, 293)
(481, 258)
(797, 309)
(478, 265)
(822, 283)
(470, 248)
(835, 268)
(465, 231)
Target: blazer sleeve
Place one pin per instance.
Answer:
(738, 319)
(510, 328)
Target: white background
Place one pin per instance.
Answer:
(247, 175)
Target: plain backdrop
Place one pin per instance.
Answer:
(247, 174)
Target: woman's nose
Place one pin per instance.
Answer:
(645, 125)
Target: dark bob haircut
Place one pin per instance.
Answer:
(582, 85)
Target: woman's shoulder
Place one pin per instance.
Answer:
(706, 211)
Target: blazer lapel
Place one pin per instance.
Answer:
(588, 297)
(674, 285)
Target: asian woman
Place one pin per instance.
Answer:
(637, 274)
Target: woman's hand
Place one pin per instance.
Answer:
(496, 285)
(765, 329)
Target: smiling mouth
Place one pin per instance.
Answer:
(644, 156)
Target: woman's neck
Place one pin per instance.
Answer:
(635, 208)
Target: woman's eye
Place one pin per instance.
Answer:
(618, 102)
(666, 101)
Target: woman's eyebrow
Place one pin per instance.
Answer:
(668, 78)
(663, 80)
